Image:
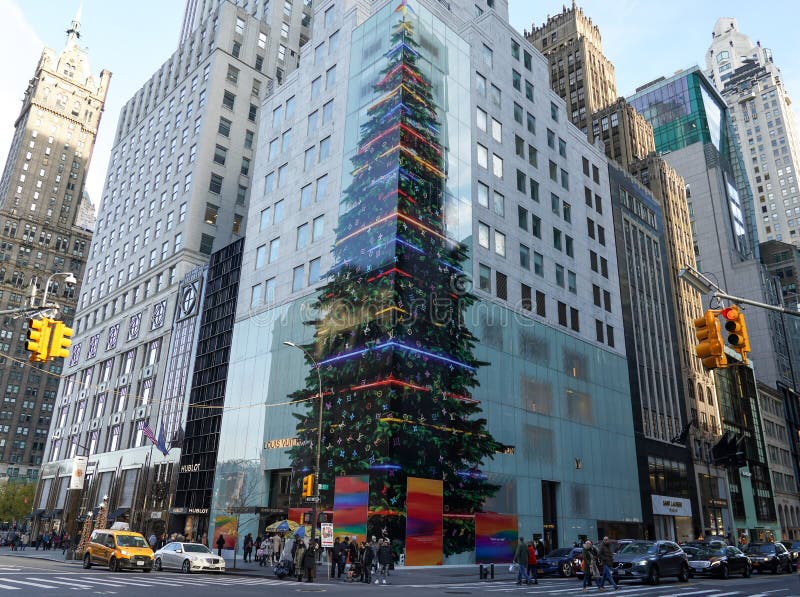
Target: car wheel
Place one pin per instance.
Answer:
(724, 572)
(653, 577)
(112, 565)
(566, 569)
(683, 575)
(157, 565)
(747, 571)
(87, 561)
(777, 568)
(187, 567)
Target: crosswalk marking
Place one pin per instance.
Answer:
(59, 582)
(33, 584)
(10, 588)
(108, 583)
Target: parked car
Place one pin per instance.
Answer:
(769, 556)
(560, 561)
(188, 558)
(793, 547)
(118, 550)
(649, 561)
(718, 561)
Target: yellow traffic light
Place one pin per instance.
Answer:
(308, 486)
(60, 343)
(38, 339)
(738, 339)
(711, 348)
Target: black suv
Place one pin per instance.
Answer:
(650, 560)
(769, 556)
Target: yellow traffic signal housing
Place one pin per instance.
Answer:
(60, 340)
(38, 343)
(711, 349)
(738, 339)
(308, 486)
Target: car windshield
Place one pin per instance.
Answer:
(195, 548)
(710, 553)
(638, 548)
(131, 541)
(558, 553)
(763, 548)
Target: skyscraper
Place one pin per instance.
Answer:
(510, 163)
(579, 71)
(177, 188)
(696, 140)
(569, 38)
(760, 107)
(47, 222)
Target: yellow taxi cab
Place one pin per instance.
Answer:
(118, 550)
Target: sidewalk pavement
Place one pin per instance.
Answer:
(422, 575)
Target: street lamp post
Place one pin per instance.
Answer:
(69, 279)
(319, 443)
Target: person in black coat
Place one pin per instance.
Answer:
(310, 562)
(384, 559)
(336, 557)
(220, 544)
(366, 562)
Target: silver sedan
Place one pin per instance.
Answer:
(188, 558)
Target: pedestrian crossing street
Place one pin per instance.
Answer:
(26, 581)
(571, 587)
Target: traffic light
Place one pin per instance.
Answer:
(308, 486)
(737, 331)
(711, 348)
(38, 339)
(59, 346)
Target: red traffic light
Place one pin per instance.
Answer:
(730, 313)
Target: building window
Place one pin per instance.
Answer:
(484, 278)
(215, 185)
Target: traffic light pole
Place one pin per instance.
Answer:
(705, 286)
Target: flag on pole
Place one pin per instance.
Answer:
(162, 443)
(147, 431)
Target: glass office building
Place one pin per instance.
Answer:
(556, 406)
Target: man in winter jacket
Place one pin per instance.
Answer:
(384, 559)
(606, 563)
(521, 560)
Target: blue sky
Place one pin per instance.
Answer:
(644, 39)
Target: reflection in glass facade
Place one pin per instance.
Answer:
(395, 357)
(684, 110)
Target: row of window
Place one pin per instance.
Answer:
(303, 276)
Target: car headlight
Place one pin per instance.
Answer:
(123, 552)
(641, 563)
(715, 563)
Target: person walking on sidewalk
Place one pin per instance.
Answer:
(310, 562)
(220, 544)
(533, 563)
(521, 561)
(606, 558)
(248, 547)
(384, 559)
(589, 565)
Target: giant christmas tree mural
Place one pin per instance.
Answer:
(396, 359)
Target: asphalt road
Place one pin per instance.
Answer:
(23, 577)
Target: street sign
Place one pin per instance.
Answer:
(323, 486)
(313, 499)
(327, 534)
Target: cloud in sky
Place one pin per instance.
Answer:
(22, 44)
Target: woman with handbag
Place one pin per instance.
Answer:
(590, 569)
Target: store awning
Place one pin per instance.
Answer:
(34, 514)
(52, 514)
(117, 513)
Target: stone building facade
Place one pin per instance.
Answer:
(46, 223)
